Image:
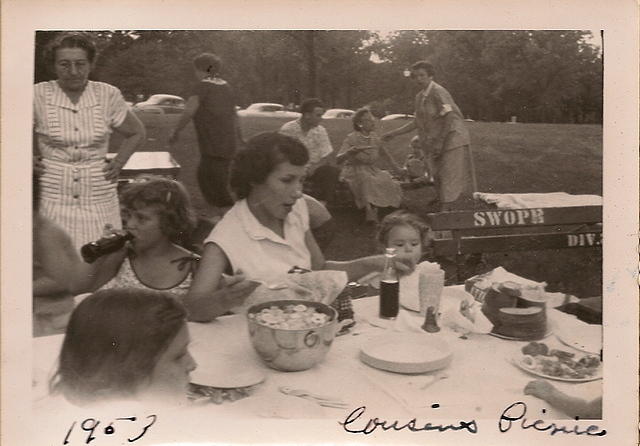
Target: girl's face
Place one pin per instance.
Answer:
(280, 190)
(171, 374)
(406, 239)
(144, 224)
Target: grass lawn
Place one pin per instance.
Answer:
(513, 158)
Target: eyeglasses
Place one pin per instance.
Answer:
(67, 65)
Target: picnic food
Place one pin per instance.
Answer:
(290, 317)
(558, 363)
(522, 323)
(512, 315)
(200, 393)
(291, 335)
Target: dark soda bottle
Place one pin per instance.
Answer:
(389, 287)
(105, 245)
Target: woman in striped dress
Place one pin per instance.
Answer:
(73, 120)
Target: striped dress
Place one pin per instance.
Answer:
(73, 140)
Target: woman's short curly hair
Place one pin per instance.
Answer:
(403, 218)
(170, 198)
(263, 153)
(70, 40)
(113, 342)
(208, 63)
(423, 65)
(356, 120)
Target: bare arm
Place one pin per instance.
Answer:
(190, 109)
(572, 406)
(408, 127)
(208, 297)
(60, 267)
(134, 135)
(355, 269)
(236, 122)
(91, 276)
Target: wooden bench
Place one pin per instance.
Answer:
(460, 233)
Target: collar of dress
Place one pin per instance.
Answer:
(59, 98)
(426, 91)
(257, 230)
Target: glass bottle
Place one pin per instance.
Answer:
(105, 245)
(389, 287)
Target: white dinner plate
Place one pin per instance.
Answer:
(406, 353)
(227, 372)
(517, 361)
(586, 338)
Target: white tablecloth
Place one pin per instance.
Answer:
(479, 383)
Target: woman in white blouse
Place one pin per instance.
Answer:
(266, 233)
(74, 118)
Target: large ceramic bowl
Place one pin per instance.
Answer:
(292, 350)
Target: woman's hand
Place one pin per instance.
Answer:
(235, 290)
(38, 166)
(112, 169)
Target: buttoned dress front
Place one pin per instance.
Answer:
(73, 140)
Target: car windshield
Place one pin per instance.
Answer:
(270, 108)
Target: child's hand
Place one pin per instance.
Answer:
(540, 389)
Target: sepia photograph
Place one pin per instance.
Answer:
(324, 234)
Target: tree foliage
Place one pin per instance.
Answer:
(538, 76)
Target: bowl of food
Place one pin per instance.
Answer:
(292, 335)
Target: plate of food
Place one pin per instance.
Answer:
(559, 365)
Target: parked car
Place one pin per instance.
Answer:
(340, 113)
(161, 104)
(394, 116)
(268, 109)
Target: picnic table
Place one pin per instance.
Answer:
(148, 163)
(480, 382)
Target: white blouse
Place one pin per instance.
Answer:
(257, 251)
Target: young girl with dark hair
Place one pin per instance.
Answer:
(267, 231)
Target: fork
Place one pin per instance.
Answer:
(321, 400)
